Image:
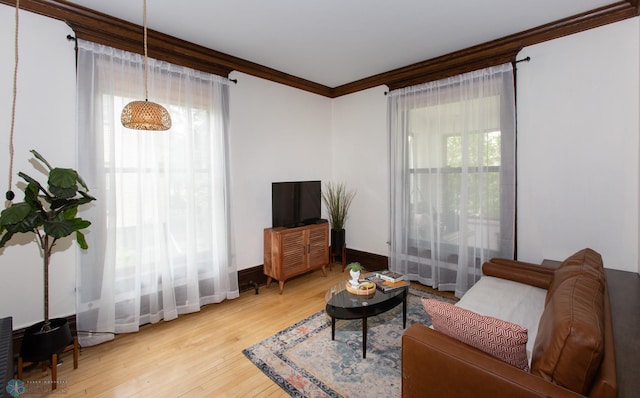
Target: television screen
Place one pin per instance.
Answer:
(295, 203)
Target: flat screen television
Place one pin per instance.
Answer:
(295, 203)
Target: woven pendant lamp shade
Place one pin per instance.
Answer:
(145, 115)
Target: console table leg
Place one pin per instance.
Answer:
(333, 328)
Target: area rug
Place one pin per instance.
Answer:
(305, 362)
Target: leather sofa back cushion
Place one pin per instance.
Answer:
(569, 345)
(584, 262)
(588, 258)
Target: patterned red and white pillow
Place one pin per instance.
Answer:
(504, 340)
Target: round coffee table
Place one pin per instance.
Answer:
(341, 304)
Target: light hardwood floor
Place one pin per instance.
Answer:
(196, 355)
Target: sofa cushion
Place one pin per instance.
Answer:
(504, 340)
(569, 345)
(585, 262)
(587, 258)
(508, 300)
(517, 271)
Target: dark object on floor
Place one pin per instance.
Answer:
(40, 345)
(6, 354)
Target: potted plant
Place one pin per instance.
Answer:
(337, 200)
(354, 271)
(50, 214)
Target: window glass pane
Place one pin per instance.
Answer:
(189, 184)
(445, 159)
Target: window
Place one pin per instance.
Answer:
(452, 159)
(162, 244)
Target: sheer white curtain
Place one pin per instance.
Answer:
(452, 159)
(160, 241)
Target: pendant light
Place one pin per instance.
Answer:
(145, 115)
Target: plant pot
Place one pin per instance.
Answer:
(39, 345)
(337, 241)
(355, 277)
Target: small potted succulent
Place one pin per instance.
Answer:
(354, 270)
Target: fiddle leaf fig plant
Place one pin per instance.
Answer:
(51, 214)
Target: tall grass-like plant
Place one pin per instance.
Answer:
(337, 199)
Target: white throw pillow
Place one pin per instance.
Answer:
(511, 301)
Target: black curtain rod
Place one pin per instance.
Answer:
(527, 59)
(70, 38)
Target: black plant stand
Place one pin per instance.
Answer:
(41, 346)
(338, 247)
(332, 255)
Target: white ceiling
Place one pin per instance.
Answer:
(334, 42)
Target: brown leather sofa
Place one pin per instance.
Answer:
(573, 355)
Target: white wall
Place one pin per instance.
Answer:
(360, 159)
(45, 121)
(578, 146)
(580, 191)
(278, 133)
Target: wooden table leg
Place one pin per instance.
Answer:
(20, 365)
(75, 352)
(54, 371)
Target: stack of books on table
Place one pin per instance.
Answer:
(387, 281)
(390, 276)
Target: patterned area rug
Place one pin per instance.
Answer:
(305, 362)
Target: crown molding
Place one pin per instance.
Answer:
(492, 53)
(105, 29)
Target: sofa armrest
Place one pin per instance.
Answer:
(519, 271)
(606, 384)
(434, 364)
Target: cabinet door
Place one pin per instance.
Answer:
(317, 247)
(293, 252)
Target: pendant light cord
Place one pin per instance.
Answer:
(146, 66)
(10, 195)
